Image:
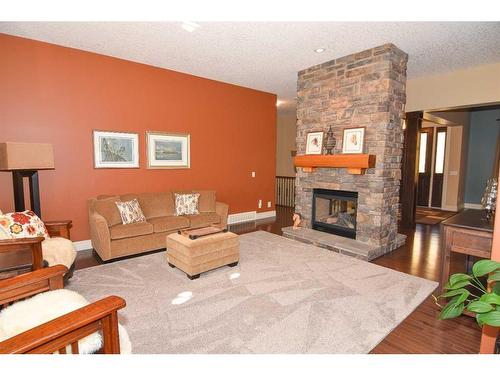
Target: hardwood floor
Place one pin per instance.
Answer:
(421, 332)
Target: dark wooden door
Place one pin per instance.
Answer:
(424, 165)
(438, 167)
(409, 168)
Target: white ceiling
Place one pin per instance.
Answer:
(267, 55)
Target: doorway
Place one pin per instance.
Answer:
(431, 166)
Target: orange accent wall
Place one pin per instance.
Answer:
(58, 95)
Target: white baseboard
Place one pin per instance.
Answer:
(450, 208)
(231, 219)
(83, 245)
(265, 214)
(474, 206)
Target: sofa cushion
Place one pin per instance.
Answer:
(206, 202)
(157, 204)
(168, 223)
(23, 224)
(203, 219)
(130, 230)
(106, 207)
(130, 211)
(186, 204)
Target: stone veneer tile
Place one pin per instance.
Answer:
(363, 89)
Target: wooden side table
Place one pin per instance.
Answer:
(468, 233)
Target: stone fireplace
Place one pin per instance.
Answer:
(366, 89)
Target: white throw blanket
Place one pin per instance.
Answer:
(58, 250)
(27, 314)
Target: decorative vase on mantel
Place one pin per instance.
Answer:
(330, 142)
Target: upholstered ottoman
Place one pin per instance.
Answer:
(202, 254)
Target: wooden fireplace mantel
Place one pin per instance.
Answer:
(354, 163)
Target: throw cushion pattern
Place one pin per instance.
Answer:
(130, 212)
(23, 224)
(186, 204)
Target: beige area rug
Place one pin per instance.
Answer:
(283, 297)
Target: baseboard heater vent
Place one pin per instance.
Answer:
(242, 217)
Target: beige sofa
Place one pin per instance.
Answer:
(111, 239)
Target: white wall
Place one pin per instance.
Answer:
(285, 143)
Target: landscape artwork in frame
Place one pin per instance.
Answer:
(168, 150)
(353, 141)
(314, 143)
(116, 149)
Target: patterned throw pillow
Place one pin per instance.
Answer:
(186, 204)
(23, 224)
(130, 211)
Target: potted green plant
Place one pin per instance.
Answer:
(467, 293)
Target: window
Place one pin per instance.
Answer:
(440, 146)
(422, 153)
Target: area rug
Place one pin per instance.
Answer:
(283, 297)
(431, 216)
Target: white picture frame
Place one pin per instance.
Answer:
(314, 143)
(353, 140)
(115, 149)
(168, 150)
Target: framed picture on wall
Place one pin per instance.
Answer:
(168, 150)
(314, 143)
(116, 149)
(353, 142)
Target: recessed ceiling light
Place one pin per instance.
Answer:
(190, 26)
(320, 50)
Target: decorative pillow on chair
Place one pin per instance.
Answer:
(23, 224)
(186, 204)
(130, 211)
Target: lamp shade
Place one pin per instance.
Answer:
(18, 156)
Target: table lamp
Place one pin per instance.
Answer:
(25, 160)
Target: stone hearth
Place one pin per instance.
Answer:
(366, 89)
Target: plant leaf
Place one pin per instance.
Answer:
(496, 288)
(491, 298)
(456, 277)
(494, 276)
(457, 285)
(451, 310)
(484, 266)
(491, 318)
(455, 292)
(479, 307)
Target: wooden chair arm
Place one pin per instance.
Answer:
(29, 284)
(69, 328)
(33, 244)
(59, 228)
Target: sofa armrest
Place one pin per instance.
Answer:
(59, 228)
(34, 244)
(222, 209)
(99, 235)
(66, 330)
(31, 283)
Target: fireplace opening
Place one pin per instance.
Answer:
(334, 211)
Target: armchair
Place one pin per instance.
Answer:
(64, 333)
(35, 253)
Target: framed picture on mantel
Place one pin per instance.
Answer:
(353, 140)
(314, 143)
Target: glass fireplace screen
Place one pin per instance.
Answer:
(334, 211)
